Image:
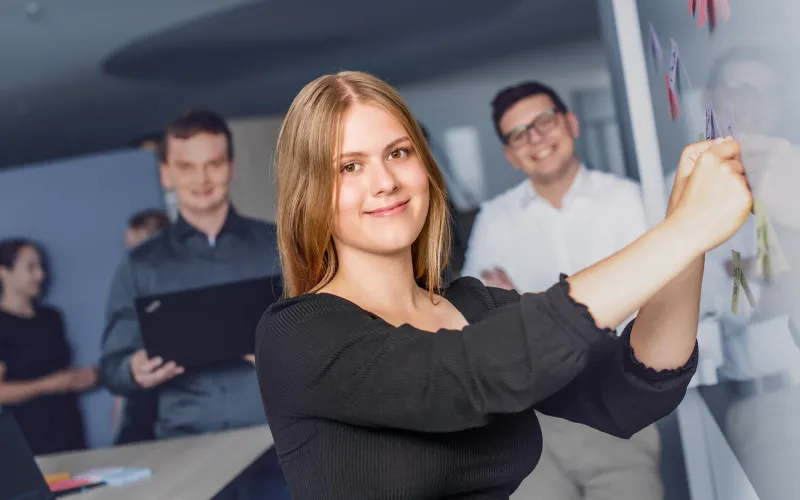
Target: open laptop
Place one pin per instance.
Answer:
(20, 477)
(204, 326)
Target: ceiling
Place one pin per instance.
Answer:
(82, 76)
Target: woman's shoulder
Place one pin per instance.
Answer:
(309, 312)
(469, 288)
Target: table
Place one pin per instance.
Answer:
(191, 468)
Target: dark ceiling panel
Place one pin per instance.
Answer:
(253, 61)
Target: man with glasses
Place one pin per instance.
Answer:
(561, 219)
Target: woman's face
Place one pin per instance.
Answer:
(26, 276)
(383, 192)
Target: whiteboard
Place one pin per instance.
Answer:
(738, 66)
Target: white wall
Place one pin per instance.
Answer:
(463, 99)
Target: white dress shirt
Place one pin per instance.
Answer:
(534, 242)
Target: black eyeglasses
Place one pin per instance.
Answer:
(543, 123)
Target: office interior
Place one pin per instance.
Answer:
(84, 80)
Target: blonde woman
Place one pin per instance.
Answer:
(378, 383)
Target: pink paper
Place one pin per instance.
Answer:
(674, 107)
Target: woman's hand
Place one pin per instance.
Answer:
(689, 157)
(71, 380)
(714, 200)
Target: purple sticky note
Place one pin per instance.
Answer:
(655, 48)
(713, 130)
(730, 120)
(677, 71)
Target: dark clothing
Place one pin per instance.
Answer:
(33, 348)
(362, 409)
(182, 258)
(139, 415)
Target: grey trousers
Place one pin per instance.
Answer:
(580, 463)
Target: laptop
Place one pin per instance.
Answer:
(204, 326)
(20, 477)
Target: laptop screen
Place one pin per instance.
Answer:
(20, 477)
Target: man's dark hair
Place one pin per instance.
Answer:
(195, 122)
(509, 96)
(152, 220)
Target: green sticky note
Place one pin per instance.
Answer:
(762, 241)
(737, 280)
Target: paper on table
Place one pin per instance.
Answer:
(116, 476)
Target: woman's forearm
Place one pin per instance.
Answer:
(17, 392)
(665, 331)
(623, 283)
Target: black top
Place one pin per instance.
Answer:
(182, 258)
(361, 409)
(32, 348)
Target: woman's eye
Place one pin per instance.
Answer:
(350, 168)
(398, 154)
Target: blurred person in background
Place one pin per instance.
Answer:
(209, 244)
(562, 218)
(133, 418)
(38, 383)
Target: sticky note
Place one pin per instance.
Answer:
(713, 11)
(740, 283)
(718, 11)
(656, 52)
(713, 130)
(770, 259)
(677, 71)
(730, 121)
(672, 101)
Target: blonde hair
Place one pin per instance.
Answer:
(310, 136)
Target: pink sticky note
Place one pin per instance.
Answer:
(674, 107)
(702, 12)
(719, 10)
(713, 11)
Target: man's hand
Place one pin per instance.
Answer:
(150, 372)
(497, 278)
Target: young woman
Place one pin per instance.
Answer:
(38, 387)
(379, 384)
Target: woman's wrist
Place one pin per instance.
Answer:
(687, 232)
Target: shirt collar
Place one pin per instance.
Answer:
(581, 186)
(234, 223)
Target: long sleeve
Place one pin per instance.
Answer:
(321, 356)
(121, 337)
(618, 395)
